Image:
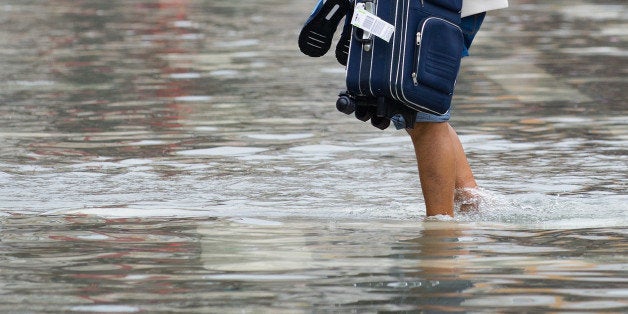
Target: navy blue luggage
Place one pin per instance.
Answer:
(415, 71)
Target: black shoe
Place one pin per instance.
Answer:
(318, 32)
(342, 48)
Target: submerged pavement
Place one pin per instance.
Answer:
(183, 156)
(208, 108)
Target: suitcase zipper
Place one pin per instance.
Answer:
(417, 51)
(417, 55)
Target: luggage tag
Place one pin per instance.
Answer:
(371, 23)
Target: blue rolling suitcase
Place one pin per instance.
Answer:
(414, 71)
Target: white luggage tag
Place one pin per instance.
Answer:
(371, 23)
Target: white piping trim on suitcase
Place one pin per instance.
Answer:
(402, 74)
(403, 77)
(360, 73)
(392, 49)
(402, 59)
(392, 54)
(348, 59)
(396, 50)
(375, 5)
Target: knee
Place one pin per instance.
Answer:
(422, 129)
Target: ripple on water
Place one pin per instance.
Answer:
(194, 98)
(280, 137)
(108, 308)
(185, 76)
(222, 151)
(322, 149)
(512, 301)
(231, 184)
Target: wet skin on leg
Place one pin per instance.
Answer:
(443, 166)
(466, 187)
(464, 175)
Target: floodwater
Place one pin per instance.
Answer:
(183, 156)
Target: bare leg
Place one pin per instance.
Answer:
(464, 175)
(443, 166)
(464, 195)
(436, 161)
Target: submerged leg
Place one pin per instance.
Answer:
(465, 195)
(436, 161)
(443, 166)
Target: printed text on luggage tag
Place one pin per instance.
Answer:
(371, 23)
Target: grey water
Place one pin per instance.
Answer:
(184, 156)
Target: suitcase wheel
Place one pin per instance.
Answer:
(345, 104)
(381, 123)
(364, 113)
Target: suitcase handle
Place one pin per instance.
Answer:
(361, 38)
(365, 38)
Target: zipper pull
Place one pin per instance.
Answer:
(419, 37)
(415, 79)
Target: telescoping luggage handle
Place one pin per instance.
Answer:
(367, 38)
(366, 25)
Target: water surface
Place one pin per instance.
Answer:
(88, 264)
(184, 156)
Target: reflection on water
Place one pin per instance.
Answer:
(197, 108)
(88, 264)
(206, 112)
